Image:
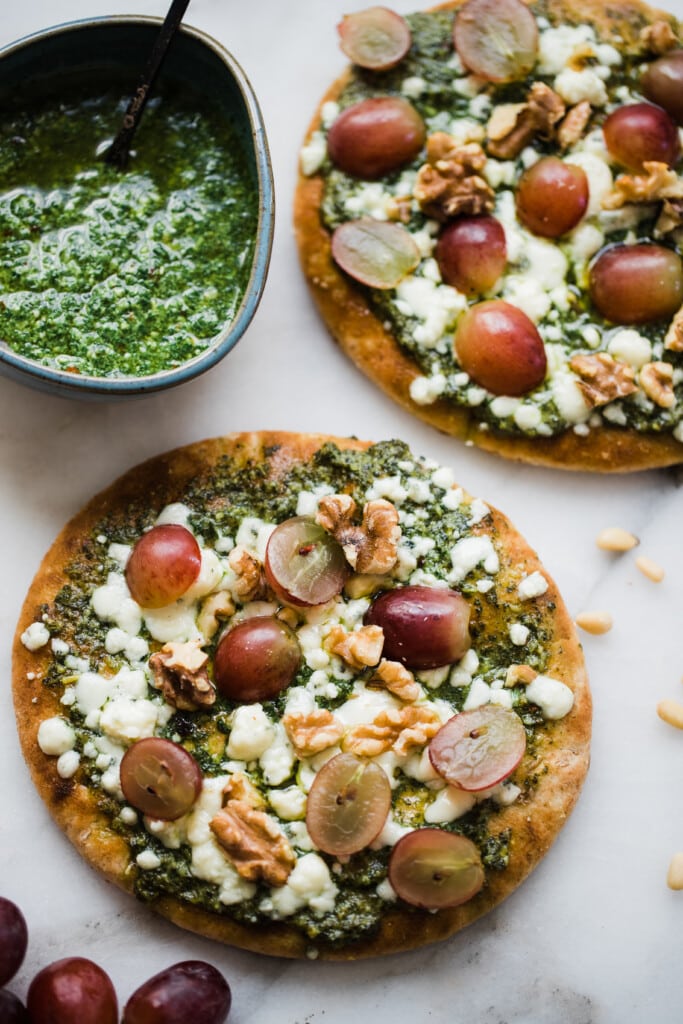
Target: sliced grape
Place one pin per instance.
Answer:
(12, 1010)
(376, 136)
(256, 660)
(376, 38)
(347, 805)
(189, 991)
(471, 253)
(72, 991)
(424, 627)
(637, 284)
(552, 197)
(477, 749)
(639, 132)
(433, 869)
(662, 83)
(496, 39)
(160, 778)
(13, 940)
(500, 348)
(304, 565)
(164, 563)
(374, 252)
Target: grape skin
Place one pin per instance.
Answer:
(500, 348)
(72, 991)
(163, 565)
(13, 939)
(160, 778)
(662, 83)
(256, 659)
(188, 991)
(376, 136)
(375, 38)
(636, 284)
(423, 627)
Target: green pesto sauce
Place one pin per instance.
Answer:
(121, 273)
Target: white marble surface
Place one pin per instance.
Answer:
(593, 936)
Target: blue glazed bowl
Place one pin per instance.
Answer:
(122, 44)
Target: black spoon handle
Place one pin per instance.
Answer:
(119, 150)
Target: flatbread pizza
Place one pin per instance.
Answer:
(303, 695)
(489, 214)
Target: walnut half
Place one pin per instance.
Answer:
(257, 848)
(398, 729)
(313, 731)
(450, 183)
(602, 378)
(179, 671)
(508, 134)
(371, 547)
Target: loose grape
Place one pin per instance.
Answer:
(376, 38)
(433, 869)
(191, 991)
(376, 136)
(72, 991)
(256, 659)
(347, 805)
(304, 565)
(640, 132)
(12, 1010)
(374, 252)
(163, 565)
(500, 348)
(476, 749)
(13, 939)
(496, 39)
(636, 284)
(662, 83)
(160, 778)
(552, 197)
(424, 627)
(471, 253)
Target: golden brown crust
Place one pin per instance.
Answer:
(559, 760)
(375, 351)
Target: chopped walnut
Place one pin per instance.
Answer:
(359, 649)
(312, 731)
(179, 671)
(239, 787)
(658, 38)
(656, 380)
(400, 208)
(670, 217)
(658, 184)
(371, 547)
(250, 584)
(215, 609)
(397, 679)
(673, 340)
(398, 729)
(535, 118)
(257, 848)
(450, 183)
(290, 616)
(520, 674)
(602, 378)
(573, 124)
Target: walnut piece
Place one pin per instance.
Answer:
(658, 182)
(673, 340)
(400, 208)
(397, 679)
(656, 380)
(215, 609)
(359, 649)
(398, 729)
(371, 547)
(602, 378)
(658, 38)
(257, 848)
(535, 118)
(179, 671)
(239, 787)
(450, 183)
(517, 674)
(312, 731)
(250, 584)
(573, 125)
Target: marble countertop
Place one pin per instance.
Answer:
(593, 935)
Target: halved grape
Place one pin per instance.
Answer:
(72, 991)
(476, 749)
(471, 253)
(160, 778)
(374, 252)
(500, 348)
(256, 660)
(433, 869)
(637, 284)
(662, 83)
(304, 565)
(376, 136)
(424, 627)
(496, 39)
(347, 805)
(164, 563)
(552, 197)
(376, 38)
(12, 1010)
(639, 132)
(13, 939)
(189, 991)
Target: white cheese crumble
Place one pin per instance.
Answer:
(519, 633)
(55, 736)
(470, 552)
(35, 636)
(554, 698)
(309, 885)
(629, 346)
(251, 734)
(532, 586)
(313, 154)
(574, 86)
(148, 860)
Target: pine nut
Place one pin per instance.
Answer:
(674, 878)
(672, 712)
(651, 569)
(614, 538)
(594, 622)
(523, 674)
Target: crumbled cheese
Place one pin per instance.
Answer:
(553, 697)
(148, 860)
(67, 764)
(55, 736)
(574, 86)
(478, 510)
(413, 87)
(436, 306)
(426, 390)
(448, 805)
(313, 154)
(310, 884)
(480, 693)
(389, 487)
(527, 416)
(532, 586)
(629, 346)
(175, 513)
(35, 636)
(251, 734)
(125, 718)
(519, 633)
(289, 804)
(470, 552)
(557, 45)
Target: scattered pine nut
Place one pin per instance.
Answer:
(594, 622)
(614, 538)
(651, 569)
(674, 878)
(672, 712)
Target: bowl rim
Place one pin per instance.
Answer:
(28, 371)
